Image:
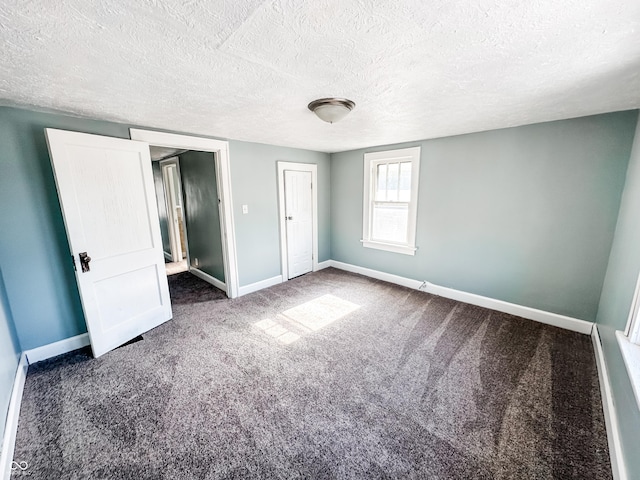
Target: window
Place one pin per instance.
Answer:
(633, 322)
(629, 342)
(390, 200)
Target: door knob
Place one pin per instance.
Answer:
(84, 261)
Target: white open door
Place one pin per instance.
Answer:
(299, 222)
(106, 191)
(175, 212)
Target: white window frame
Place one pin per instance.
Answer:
(629, 343)
(371, 161)
(632, 331)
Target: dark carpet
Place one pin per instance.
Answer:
(186, 288)
(328, 376)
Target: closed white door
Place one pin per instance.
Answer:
(106, 191)
(299, 222)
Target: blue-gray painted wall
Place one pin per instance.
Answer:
(525, 215)
(258, 231)
(615, 303)
(9, 355)
(200, 193)
(34, 252)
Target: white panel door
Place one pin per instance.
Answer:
(173, 197)
(299, 216)
(106, 191)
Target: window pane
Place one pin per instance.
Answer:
(392, 181)
(389, 223)
(404, 194)
(381, 184)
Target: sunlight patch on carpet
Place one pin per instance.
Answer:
(320, 312)
(307, 317)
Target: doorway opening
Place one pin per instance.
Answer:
(186, 184)
(198, 228)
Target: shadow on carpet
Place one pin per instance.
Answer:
(185, 288)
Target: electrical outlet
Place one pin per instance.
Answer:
(245, 209)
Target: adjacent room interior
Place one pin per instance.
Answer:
(331, 240)
(186, 190)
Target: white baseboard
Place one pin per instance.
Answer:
(557, 320)
(562, 321)
(323, 265)
(367, 272)
(610, 416)
(270, 282)
(58, 348)
(208, 278)
(254, 287)
(11, 427)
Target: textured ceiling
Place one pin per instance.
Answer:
(247, 69)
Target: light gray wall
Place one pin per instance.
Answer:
(9, 355)
(255, 184)
(201, 212)
(525, 215)
(615, 302)
(162, 206)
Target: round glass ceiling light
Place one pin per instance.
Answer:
(331, 110)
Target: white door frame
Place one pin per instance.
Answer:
(301, 167)
(174, 233)
(221, 150)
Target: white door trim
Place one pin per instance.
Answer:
(174, 234)
(221, 149)
(301, 167)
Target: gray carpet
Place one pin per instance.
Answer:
(330, 375)
(185, 287)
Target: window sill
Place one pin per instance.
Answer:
(389, 247)
(631, 356)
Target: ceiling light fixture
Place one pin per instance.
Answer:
(331, 110)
